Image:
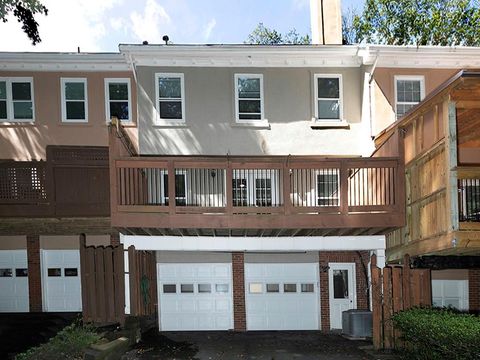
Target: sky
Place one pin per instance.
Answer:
(100, 25)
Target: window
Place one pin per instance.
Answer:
(74, 100)
(328, 188)
(221, 288)
(409, 91)
(16, 99)
(204, 288)
(180, 189)
(289, 288)
(249, 98)
(340, 284)
(259, 188)
(307, 288)
(263, 192)
(169, 288)
(273, 288)
(255, 288)
(186, 288)
(55, 272)
(22, 272)
(6, 272)
(328, 97)
(117, 99)
(71, 272)
(239, 190)
(170, 97)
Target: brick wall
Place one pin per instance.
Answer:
(361, 280)
(474, 289)
(238, 270)
(34, 273)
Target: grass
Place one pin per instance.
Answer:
(68, 344)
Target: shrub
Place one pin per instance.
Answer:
(438, 334)
(69, 343)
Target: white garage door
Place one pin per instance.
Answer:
(13, 281)
(195, 296)
(450, 293)
(282, 296)
(61, 281)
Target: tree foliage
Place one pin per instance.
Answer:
(263, 35)
(24, 11)
(419, 22)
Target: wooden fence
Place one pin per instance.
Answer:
(103, 283)
(396, 288)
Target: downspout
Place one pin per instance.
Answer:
(370, 97)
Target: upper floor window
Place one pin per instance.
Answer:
(249, 98)
(118, 99)
(74, 100)
(170, 97)
(328, 97)
(16, 99)
(409, 91)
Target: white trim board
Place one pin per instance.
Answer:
(221, 243)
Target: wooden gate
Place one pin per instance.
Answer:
(396, 288)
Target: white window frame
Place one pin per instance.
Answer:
(165, 196)
(262, 120)
(109, 81)
(318, 197)
(159, 120)
(340, 98)
(10, 101)
(63, 81)
(251, 189)
(420, 78)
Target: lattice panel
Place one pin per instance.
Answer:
(22, 183)
(63, 154)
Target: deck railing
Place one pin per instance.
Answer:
(469, 199)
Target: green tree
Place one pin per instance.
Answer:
(419, 22)
(263, 35)
(24, 11)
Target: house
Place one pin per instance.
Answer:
(54, 182)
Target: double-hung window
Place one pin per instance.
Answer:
(409, 91)
(170, 97)
(74, 100)
(328, 97)
(16, 99)
(118, 99)
(328, 187)
(249, 106)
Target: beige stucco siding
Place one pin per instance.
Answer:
(210, 127)
(26, 141)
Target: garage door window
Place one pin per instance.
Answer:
(290, 288)
(21, 272)
(6, 273)
(204, 288)
(255, 288)
(186, 288)
(273, 288)
(169, 289)
(307, 288)
(221, 288)
(71, 272)
(53, 272)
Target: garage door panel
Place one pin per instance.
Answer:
(450, 293)
(13, 283)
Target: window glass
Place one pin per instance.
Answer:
(239, 189)
(21, 272)
(249, 94)
(170, 101)
(263, 192)
(273, 288)
(328, 98)
(186, 288)
(327, 188)
(307, 288)
(340, 284)
(71, 272)
(54, 272)
(289, 288)
(204, 288)
(118, 100)
(169, 288)
(180, 189)
(74, 93)
(409, 94)
(3, 100)
(21, 91)
(255, 288)
(6, 272)
(221, 288)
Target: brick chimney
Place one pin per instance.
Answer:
(326, 22)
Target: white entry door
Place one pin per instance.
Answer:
(13, 281)
(282, 296)
(195, 296)
(61, 281)
(342, 290)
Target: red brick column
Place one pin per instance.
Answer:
(474, 289)
(238, 273)
(34, 273)
(360, 280)
(115, 239)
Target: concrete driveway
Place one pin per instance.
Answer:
(252, 345)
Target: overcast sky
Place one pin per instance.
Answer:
(100, 25)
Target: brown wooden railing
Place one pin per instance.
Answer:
(73, 181)
(469, 194)
(265, 185)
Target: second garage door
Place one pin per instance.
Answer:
(282, 296)
(195, 296)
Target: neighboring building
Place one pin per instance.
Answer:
(54, 183)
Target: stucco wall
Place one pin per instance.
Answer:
(210, 127)
(26, 141)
